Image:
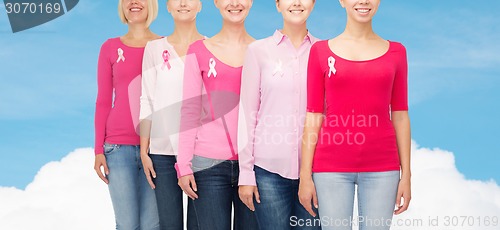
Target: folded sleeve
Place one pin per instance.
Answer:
(315, 82)
(399, 100)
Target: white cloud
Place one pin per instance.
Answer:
(68, 194)
(64, 195)
(440, 190)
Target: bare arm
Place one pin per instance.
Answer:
(401, 123)
(147, 163)
(307, 191)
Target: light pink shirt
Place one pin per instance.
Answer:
(162, 79)
(273, 107)
(209, 112)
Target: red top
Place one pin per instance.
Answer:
(357, 134)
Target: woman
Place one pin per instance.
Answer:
(207, 165)
(162, 78)
(116, 141)
(360, 81)
(273, 90)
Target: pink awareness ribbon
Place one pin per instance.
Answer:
(166, 62)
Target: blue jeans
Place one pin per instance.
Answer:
(134, 201)
(217, 183)
(169, 195)
(376, 199)
(279, 207)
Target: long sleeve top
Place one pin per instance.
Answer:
(209, 112)
(273, 106)
(118, 89)
(161, 98)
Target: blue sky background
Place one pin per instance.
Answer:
(48, 76)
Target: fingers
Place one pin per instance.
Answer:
(103, 178)
(246, 196)
(398, 200)
(305, 200)
(152, 171)
(315, 200)
(398, 203)
(187, 184)
(149, 172)
(105, 166)
(257, 195)
(308, 206)
(247, 193)
(404, 206)
(249, 202)
(307, 196)
(190, 193)
(97, 169)
(193, 185)
(315, 203)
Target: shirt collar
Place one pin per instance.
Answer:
(279, 37)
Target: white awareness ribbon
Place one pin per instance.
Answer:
(212, 71)
(331, 64)
(278, 68)
(120, 55)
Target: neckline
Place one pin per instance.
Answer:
(217, 59)
(279, 36)
(131, 47)
(171, 46)
(360, 61)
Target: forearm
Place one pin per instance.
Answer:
(401, 122)
(145, 133)
(309, 140)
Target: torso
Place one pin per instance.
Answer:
(360, 88)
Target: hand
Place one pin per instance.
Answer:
(100, 161)
(307, 195)
(246, 193)
(188, 185)
(149, 170)
(404, 191)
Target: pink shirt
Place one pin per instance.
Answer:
(273, 107)
(161, 98)
(118, 89)
(209, 112)
(357, 133)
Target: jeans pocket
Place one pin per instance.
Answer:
(110, 148)
(201, 163)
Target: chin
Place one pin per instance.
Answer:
(235, 20)
(297, 21)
